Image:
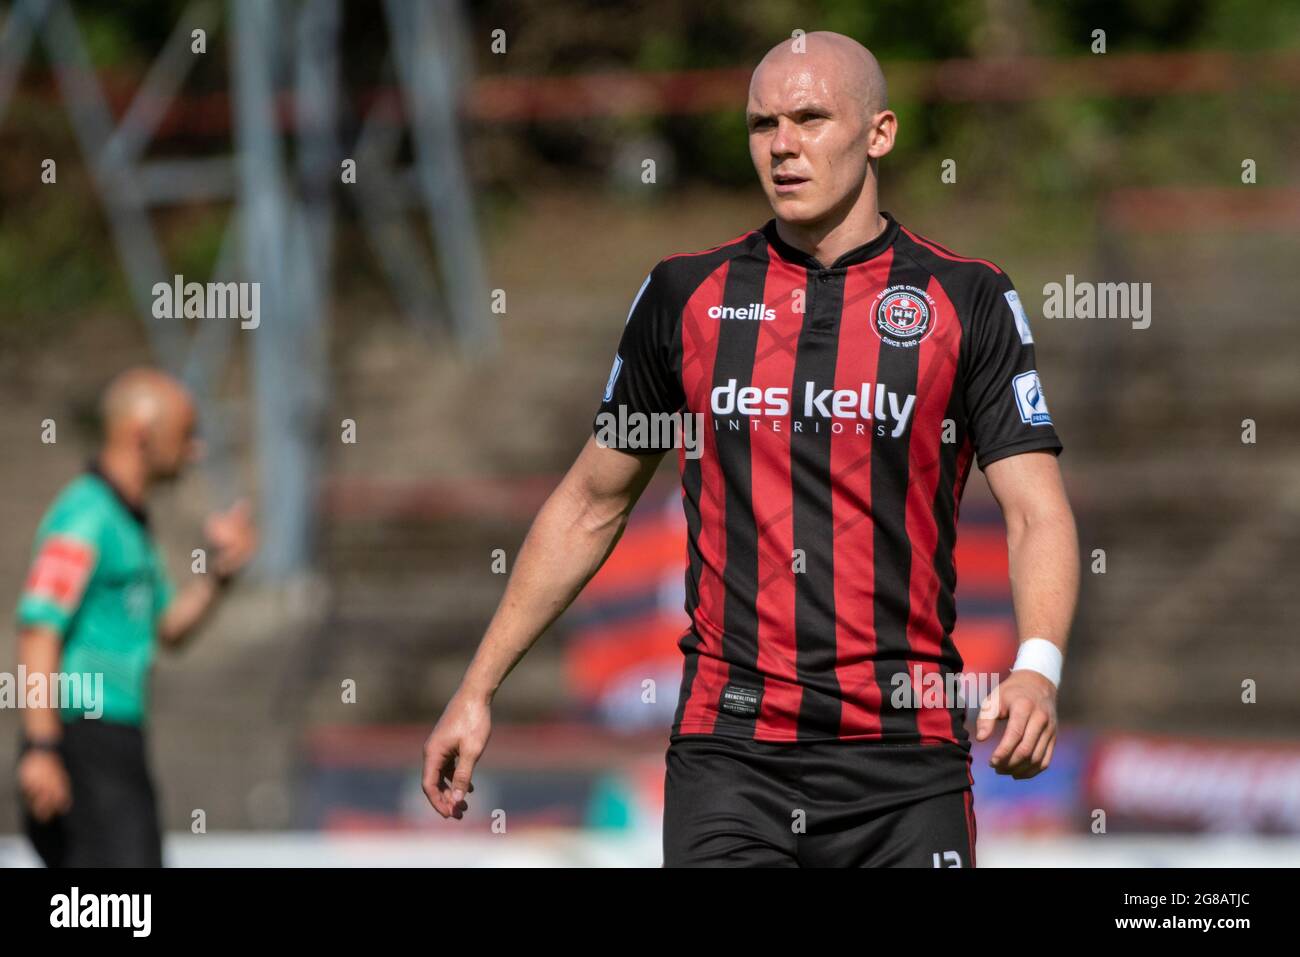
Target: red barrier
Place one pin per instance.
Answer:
(515, 99)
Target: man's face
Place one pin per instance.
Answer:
(808, 141)
(172, 442)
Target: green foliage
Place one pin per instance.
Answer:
(53, 265)
(1064, 151)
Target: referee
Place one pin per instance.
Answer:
(845, 372)
(96, 603)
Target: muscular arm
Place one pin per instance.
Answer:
(1043, 548)
(1042, 544)
(569, 540)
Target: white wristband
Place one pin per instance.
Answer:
(1039, 654)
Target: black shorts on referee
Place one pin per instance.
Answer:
(114, 820)
(730, 802)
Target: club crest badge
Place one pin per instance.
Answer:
(904, 315)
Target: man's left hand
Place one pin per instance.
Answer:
(233, 536)
(1027, 700)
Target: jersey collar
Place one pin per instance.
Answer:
(135, 511)
(858, 254)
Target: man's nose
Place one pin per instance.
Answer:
(786, 140)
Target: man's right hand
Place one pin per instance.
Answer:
(568, 542)
(451, 751)
(43, 780)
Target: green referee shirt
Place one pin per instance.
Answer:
(96, 580)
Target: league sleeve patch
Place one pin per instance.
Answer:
(1030, 401)
(61, 572)
(613, 376)
(1022, 320)
(639, 293)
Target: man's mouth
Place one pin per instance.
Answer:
(787, 182)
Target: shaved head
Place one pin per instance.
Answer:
(818, 120)
(149, 413)
(841, 66)
(141, 395)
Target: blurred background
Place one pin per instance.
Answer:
(449, 209)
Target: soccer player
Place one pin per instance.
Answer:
(846, 372)
(96, 604)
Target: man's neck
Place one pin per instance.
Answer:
(829, 239)
(128, 474)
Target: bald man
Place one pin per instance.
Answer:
(95, 605)
(843, 373)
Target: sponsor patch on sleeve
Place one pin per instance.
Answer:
(61, 572)
(1030, 401)
(1022, 320)
(613, 376)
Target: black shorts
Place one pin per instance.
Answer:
(824, 804)
(113, 821)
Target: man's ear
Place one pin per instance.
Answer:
(884, 128)
(142, 437)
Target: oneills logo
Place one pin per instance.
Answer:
(755, 310)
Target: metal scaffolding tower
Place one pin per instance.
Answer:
(284, 190)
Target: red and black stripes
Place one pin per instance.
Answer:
(773, 504)
(892, 570)
(706, 517)
(822, 513)
(733, 371)
(852, 511)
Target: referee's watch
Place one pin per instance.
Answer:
(48, 744)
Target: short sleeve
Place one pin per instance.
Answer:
(643, 383)
(66, 553)
(1005, 401)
